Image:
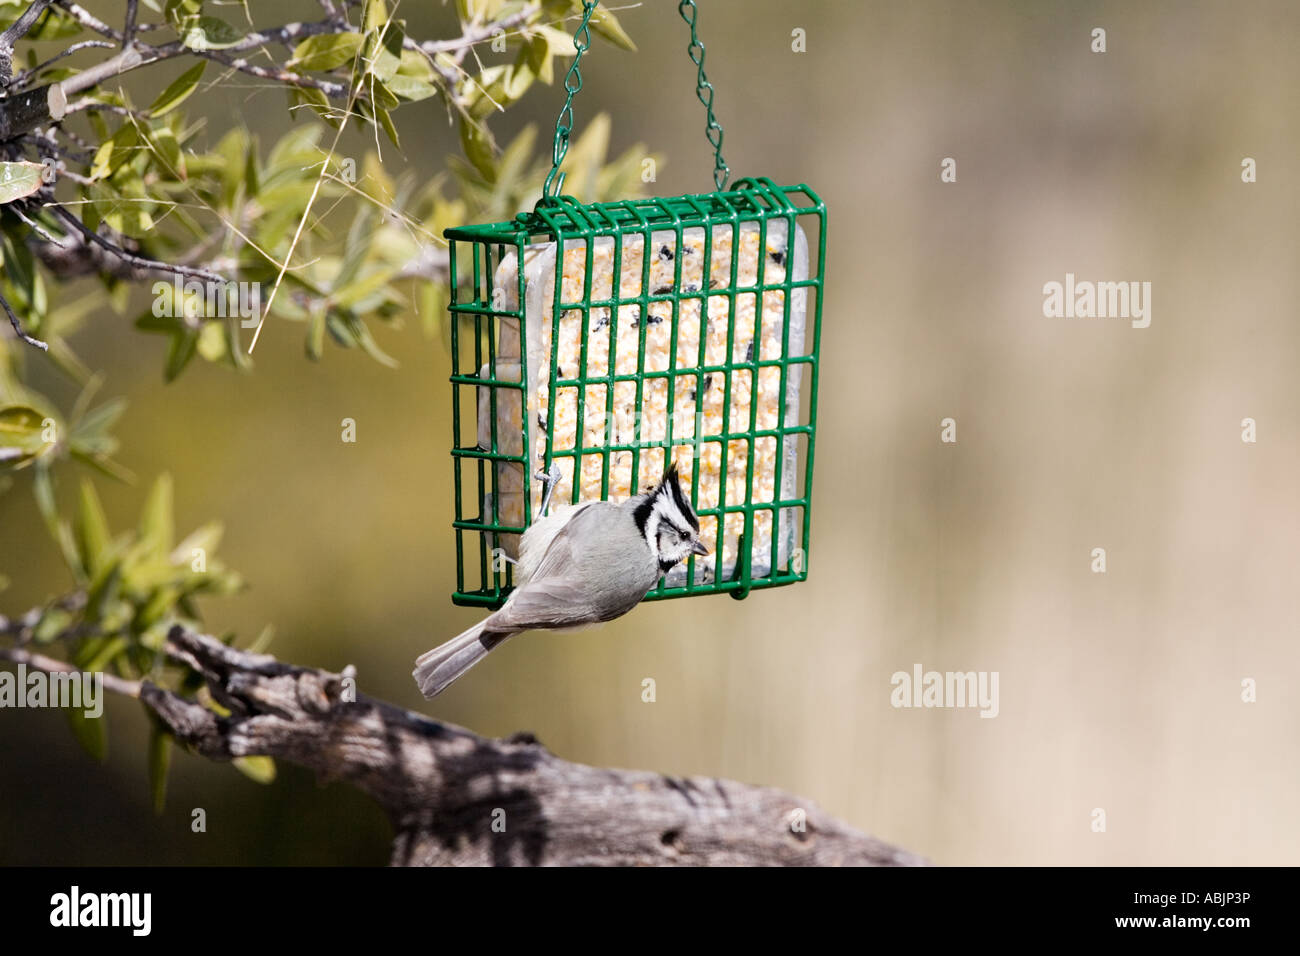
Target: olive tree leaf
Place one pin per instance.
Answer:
(19, 180)
(261, 769)
(179, 91)
(209, 33)
(156, 527)
(160, 761)
(91, 733)
(93, 538)
(326, 52)
(22, 435)
(607, 26)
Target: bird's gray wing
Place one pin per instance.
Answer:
(562, 555)
(544, 604)
(580, 579)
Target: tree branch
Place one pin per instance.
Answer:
(18, 326)
(457, 798)
(139, 264)
(16, 31)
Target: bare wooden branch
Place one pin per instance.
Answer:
(18, 326)
(457, 798)
(143, 265)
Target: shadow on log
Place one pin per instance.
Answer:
(457, 798)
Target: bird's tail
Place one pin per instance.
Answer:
(436, 669)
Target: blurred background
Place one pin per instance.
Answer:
(1119, 691)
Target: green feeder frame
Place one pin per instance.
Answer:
(597, 342)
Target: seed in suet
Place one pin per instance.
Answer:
(665, 253)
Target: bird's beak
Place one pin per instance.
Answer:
(699, 548)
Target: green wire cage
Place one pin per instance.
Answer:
(592, 344)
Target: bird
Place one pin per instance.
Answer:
(578, 566)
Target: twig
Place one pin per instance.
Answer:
(128, 34)
(18, 327)
(88, 20)
(89, 103)
(35, 226)
(118, 685)
(21, 79)
(130, 257)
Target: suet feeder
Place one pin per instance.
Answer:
(592, 343)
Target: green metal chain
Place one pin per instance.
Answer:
(564, 125)
(704, 90)
(573, 83)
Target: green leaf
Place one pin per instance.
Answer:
(261, 769)
(105, 466)
(353, 292)
(210, 33)
(21, 435)
(410, 89)
(179, 91)
(368, 345)
(207, 538)
(99, 655)
(114, 151)
(43, 489)
(90, 438)
(376, 15)
(606, 25)
(178, 11)
(561, 43)
(540, 59)
(212, 342)
(91, 733)
(476, 142)
(179, 353)
(156, 528)
(314, 98)
(316, 335)
(93, 538)
(19, 180)
(160, 761)
(52, 623)
(384, 51)
(104, 589)
(170, 158)
(326, 52)
(386, 122)
(158, 607)
(263, 640)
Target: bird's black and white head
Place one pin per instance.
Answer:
(668, 522)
